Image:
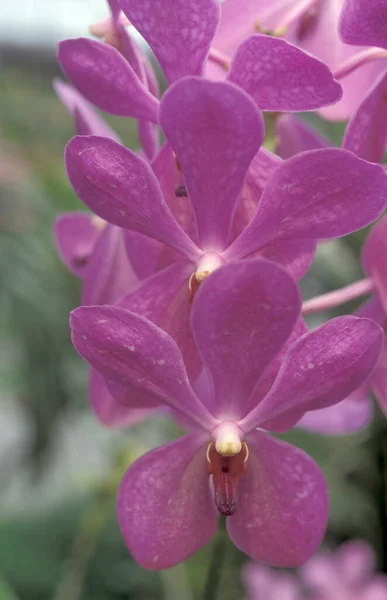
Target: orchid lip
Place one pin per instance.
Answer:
(225, 471)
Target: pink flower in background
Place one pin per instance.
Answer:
(243, 315)
(309, 24)
(345, 574)
(278, 75)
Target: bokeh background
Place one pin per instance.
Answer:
(59, 469)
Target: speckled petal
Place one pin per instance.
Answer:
(281, 77)
(366, 133)
(108, 410)
(103, 76)
(321, 368)
(121, 188)
(374, 261)
(317, 194)
(86, 120)
(247, 310)
(75, 236)
(295, 135)
(364, 22)
(109, 274)
(282, 504)
(165, 507)
(179, 32)
(215, 130)
(131, 350)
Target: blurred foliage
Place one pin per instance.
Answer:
(72, 550)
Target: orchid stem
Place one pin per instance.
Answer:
(338, 297)
(215, 569)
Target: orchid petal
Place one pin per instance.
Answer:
(103, 76)
(87, 120)
(131, 350)
(295, 255)
(180, 36)
(215, 131)
(246, 311)
(75, 236)
(348, 416)
(366, 132)
(318, 194)
(108, 410)
(171, 311)
(295, 136)
(321, 368)
(378, 379)
(374, 261)
(165, 508)
(364, 23)
(281, 77)
(109, 274)
(121, 188)
(282, 504)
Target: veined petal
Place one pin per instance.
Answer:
(281, 77)
(364, 23)
(215, 131)
(241, 316)
(75, 236)
(171, 311)
(121, 187)
(282, 504)
(318, 194)
(106, 79)
(295, 136)
(321, 368)
(165, 508)
(179, 35)
(131, 350)
(374, 261)
(87, 120)
(348, 416)
(295, 255)
(366, 132)
(108, 410)
(109, 274)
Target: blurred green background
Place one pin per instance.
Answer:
(59, 469)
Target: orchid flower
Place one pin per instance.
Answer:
(313, 26)
(278, 75)
(273, 494)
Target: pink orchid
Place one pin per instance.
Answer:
(313, 26)
(364, 23)
(274, 495)
(278, 75)
(215, 131)
(263, 583)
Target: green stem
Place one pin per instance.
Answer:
(215, 568)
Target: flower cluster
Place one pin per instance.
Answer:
(191, 255)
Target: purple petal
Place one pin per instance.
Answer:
(87, 120)
(109, 274)
(108, 410)
(247, 310)
(165, 508)
(131, 350)
(378, 379)
(366, 132)
(121, 187)
(171, 311)
(179, 36)
(321, 368)
(282, 504)
(364, 23)
(295, 255)
(215, 131)
(295, 136)
(348, 416)
(106, 79)
(318, 194)
(148, 136)
(75, 236)
(374, 261)
(281, 77)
